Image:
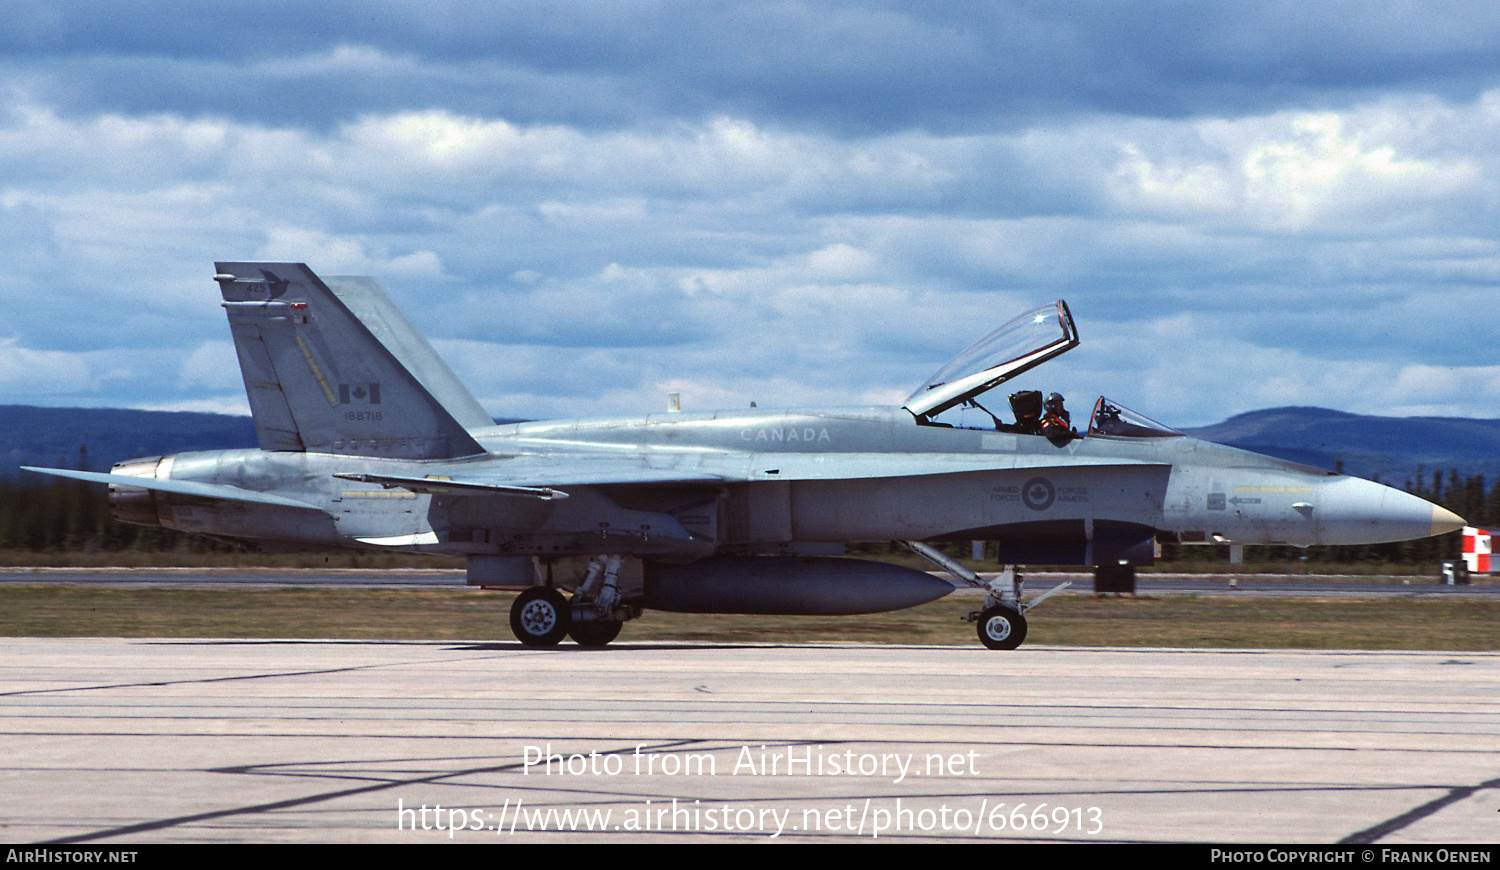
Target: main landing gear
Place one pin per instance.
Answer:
(1001, 621)
(541, 617)
(594, 634)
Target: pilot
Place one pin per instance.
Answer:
(1057, 425)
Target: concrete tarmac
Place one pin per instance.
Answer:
(142, 741)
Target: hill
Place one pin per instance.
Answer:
(1367, 446)
(52, 436)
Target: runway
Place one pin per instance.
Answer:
(143, 741)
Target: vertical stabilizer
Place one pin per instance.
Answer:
(320, 379)
(368, 301)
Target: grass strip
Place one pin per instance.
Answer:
(1223, 621)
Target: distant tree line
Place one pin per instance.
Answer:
(58, 514)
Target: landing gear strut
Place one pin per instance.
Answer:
(1000, 622)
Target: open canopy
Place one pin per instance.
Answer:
(1020, 345)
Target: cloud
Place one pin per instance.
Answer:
(1298, 171)
(25, 372)
(858, 68)
(212, 364)
(592, 206)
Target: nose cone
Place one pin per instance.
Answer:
(1354, 511)
(1445, 521)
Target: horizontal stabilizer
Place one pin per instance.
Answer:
(180, 487)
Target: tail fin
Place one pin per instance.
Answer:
(341, 372)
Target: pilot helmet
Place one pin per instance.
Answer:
(1055, 402)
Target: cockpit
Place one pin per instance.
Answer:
(1019, 346)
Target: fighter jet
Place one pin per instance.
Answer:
(368, 440)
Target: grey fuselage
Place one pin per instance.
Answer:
(682, 486)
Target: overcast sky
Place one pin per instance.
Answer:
(589, 206)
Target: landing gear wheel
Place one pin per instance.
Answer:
(540, 617)
(594, 634)
(1001, 627)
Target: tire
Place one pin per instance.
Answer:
(540, 617)
(594, 634)
(1001, 627)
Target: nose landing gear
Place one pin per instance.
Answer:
(1000, 622)
(1001, 627)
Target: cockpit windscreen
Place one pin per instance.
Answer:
(1120, 422)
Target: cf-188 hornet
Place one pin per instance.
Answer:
(368, 440)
